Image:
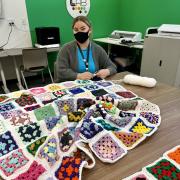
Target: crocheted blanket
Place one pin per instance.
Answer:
(166, 167)
(53, 132)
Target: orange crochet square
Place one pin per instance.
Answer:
(175, 155)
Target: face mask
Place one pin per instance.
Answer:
(81, 37)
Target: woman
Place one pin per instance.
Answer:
(82, 58)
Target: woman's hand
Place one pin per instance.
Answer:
(103, 73)
(84, 76)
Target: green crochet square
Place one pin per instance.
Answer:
(33, 147)
(44, 112)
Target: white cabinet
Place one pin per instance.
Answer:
(161, 59)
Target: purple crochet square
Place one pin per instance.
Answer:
(106, 148)
(89, 129)
(104, 83)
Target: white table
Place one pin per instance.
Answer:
(112, 41)
(13, 53)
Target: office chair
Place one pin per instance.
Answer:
(34, 61)
(151, 30)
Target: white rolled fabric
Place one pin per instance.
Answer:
(139, 80)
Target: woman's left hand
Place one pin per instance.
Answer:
(103, 73)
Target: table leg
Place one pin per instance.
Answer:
(17, 74)
(5, 88)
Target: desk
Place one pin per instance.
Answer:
(167, 136)
(13, 53)
(111, 41)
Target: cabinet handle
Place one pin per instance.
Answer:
(160, 62)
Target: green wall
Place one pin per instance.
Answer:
(104, 16)
(138, 15)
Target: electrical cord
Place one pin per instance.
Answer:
(8, 38)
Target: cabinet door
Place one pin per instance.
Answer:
(150, 57)
(168, 60)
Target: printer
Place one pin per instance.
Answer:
(169, 30)
(126, 36)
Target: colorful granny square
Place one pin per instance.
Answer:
(10, 114)
(60, 93)
(3, 98)
(91, 87)
(65, 106)
(146, 106)
(104, 83)
(150, 117)
(69, 169)
(69, 84)
(46, 97)
(126, 94)
(51, 122)
(99, 92)
(75, 91)
(76, 116)
(6, 107)
(7, 143)
(128, 139)
(33, 147)
(83, 82)
(44, 112)
(66, 140)
(17, 117)
(83, 103)
(34, 171)
(13, 162)
(25, 99)
(140, 127)
(175, 155)
(37, 90)
(53, 87)
(126, 114)
(106, 125)
(107, 149)
(127, 105)
(49, 151)
(89, 129)
(31, 108)
(163, 169)
(2, 127)
(30, 132)
(120, 122)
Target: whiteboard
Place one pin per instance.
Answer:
(20, 37)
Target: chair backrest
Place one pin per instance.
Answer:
(34, 58)
(152, 30)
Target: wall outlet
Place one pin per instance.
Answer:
(11, 22)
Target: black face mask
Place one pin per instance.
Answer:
(81, 37)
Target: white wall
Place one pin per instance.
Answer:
(14, 10)
(20, 37)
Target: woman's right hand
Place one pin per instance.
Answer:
(85, 76)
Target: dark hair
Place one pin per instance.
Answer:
(84, 19)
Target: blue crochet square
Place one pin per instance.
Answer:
(89, 129)
(7, 143)
(76, 91)
(51, 122)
